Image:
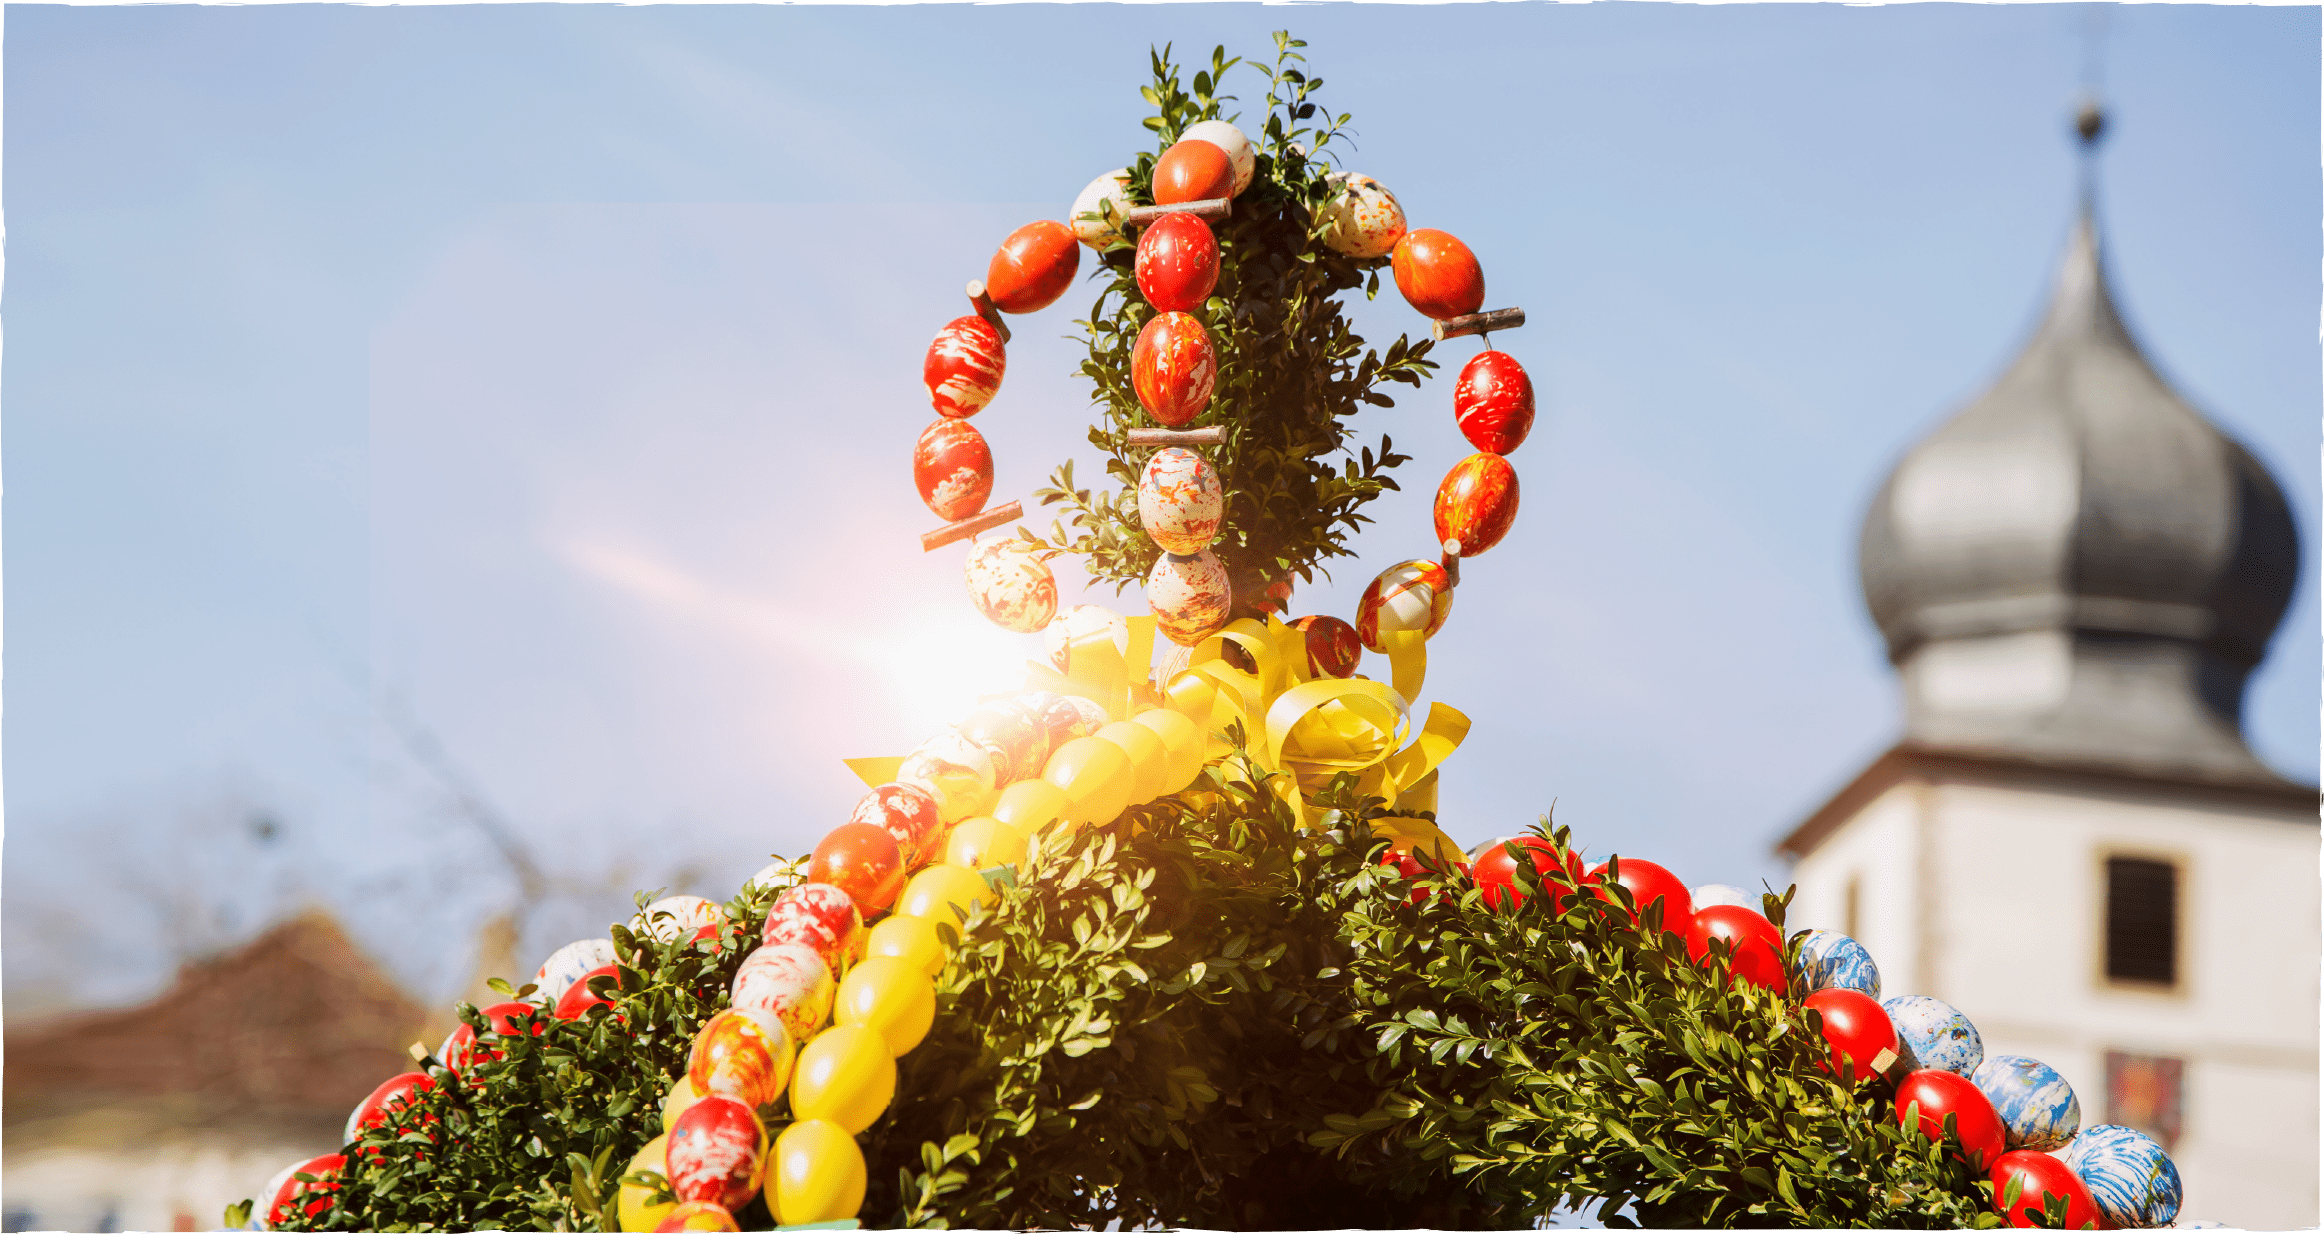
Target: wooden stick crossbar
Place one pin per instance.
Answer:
(971, 525)
(1479, 323)
(1215, 435)
(985, 307)
(1209, 210)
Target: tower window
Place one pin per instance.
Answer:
(2142, 921)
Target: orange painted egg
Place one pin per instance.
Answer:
(789, 982)
(1493, 402)
(1364, 220)
(1080, 621)
(1177, 262)
(1227, 137)
(1333, 650)
(963, 776)
(743, 1053)
(717, 1153)
(1174, 368)
(1438, 274)
(1476, 503)
(953, 468)
(1190, 596)
(964, 366)
(695, 1215)
(1033, 267)
(1093, 224)
(1410, 595)
(1193, 170)
(907, 812)
(1180, 501)
(1011, 585)
(1015, 737)
(823, 918)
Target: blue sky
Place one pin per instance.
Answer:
(546, 374)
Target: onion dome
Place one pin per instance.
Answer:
(2078, 567)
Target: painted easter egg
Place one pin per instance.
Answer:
(462, 1048)
(2038, 1176)
(907, 812)
(1177, 263)
(1410, 595)
(962, 775)
(1932, 1036)
(373, 1110)
(1720, 893)
(288, 1199)
(964, 366)
(1364, 219)
(1936, 1094)
(1494, 867)
(861, 860)
(791, 983)
(1098, 211)
(1013, 736)
(1863, 1041)
(1333, 650)
(2131, 1178)
(914, 940)
(1438, 274)
(1174, 368)
(1755, 946)
(743, 1053)
(818, 1173)
(982, 843)
(1492, 402)
(695, 1215)
(1011, 585)
(779, 873)
(1227, 137)
(1648, 884)
(1193, 170)
(566, 964)
(2038, 1108)
(1190, 596)
(1830, 960)
(821, 918)
(1180, 500)
(1077, 622)
(675, 917)
(634, 1206)
(1066, 718)
(1476, 503)
(953, 468)
(1033, 267)
(846, 1075)
(578, 999)
(717, 1150)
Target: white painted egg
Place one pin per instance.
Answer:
(1230, 139)
(962, 775)
(1180, 501)
(789, 982)
(1011, 585)
(1080, 621)
(566, 964)
(1365, 221)
(673, 917)
(1189, 595)
(1112, 187)
(1410, 595)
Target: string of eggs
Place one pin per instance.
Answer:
(1174, 370)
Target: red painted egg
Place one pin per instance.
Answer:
(1273, 599)
(384, 1100)
(821, 917)
(964, 366)
(1492, 402)
(287, 1199)
(1862, 1038)
(1649, 883)
(1173, 367)
(717, 1153)
(1193, 170)
(953, 468)
(1757, 944)
(579, 998)
(1177, 263)
(1438, 274)
(905, 812)
(1936, 1094)
(2039, 1176)
(861, 860)
(1476, 503)
(744, 1053)
(790, 983)
(695, 1215)
(1496, 872)
(1034, 266)
(1409, 868)
(1333, 650)
(1410, 595)
(461, 1048)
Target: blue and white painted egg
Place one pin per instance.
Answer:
(2038, 1108)
(1830, 960)
(2128, 1174)
(1932, 1036)
(565, 966)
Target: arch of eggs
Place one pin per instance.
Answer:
(1173, 370)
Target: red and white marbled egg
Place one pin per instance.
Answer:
(1177, 263)
(1091, 225)
(1410, 595)
(1174, 368)
(1333, 650)
(790, 982)
(717, 1153)
(1227, 137)
(961, 775)
(743, 1053)
(1477, 503)
(1365, 220)
(1190, 596)
(907, 812)
(1011, 584)
(1493, 402)
(565, 966)
(1014, 737)
(1180, 501)
(953, 468)
(821, 918)
(964, 366)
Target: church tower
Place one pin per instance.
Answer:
(2071, 843)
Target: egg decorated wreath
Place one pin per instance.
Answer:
(1169, 935)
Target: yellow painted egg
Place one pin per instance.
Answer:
(1030, 805)
(943, 893)
(846, 1075)
(635, 1207)
(1096, 777)
(892, 998)
(1149, 759)
(914, 940)
(818, 1174)
(982, 843)
(1182, 742)
(681, 1095)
